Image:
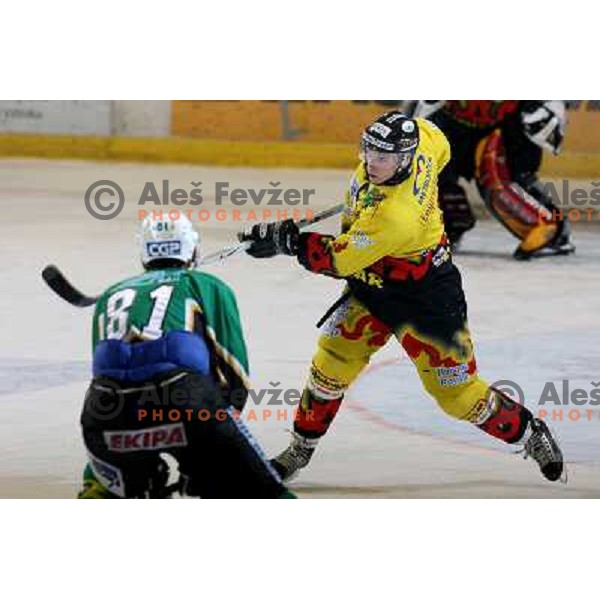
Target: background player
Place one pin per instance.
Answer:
(170, 339)
(395, 256)
(499, 144)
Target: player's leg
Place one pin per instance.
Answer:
(516, 201)
(122, 462)
(452, 199)
(183, 415)
(92, 489)
(152, 484)
(348, 340)
(221, 458)
(438, 342)
(524, 161)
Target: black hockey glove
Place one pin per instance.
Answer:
(270, 239)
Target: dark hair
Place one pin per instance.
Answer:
(164, 263)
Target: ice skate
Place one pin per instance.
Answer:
(542, 447)
(295, 457)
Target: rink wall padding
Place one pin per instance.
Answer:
(330, 121)
(234, 153)
(179, 150)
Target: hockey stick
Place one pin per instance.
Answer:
(228, 251)
(60, 284)
(55, 279)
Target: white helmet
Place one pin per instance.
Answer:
(165, 238)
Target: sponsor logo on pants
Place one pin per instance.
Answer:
(108, 475)
(452, 376)
(153, 438)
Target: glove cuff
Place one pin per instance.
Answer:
(314, 255)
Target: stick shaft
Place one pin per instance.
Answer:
(229, 251)
(55, 279)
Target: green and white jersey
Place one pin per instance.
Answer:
(149, 305)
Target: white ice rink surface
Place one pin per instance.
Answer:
(532, 323)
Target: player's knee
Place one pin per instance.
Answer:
(454, 403)
(331, 373)
(320, 402)
(326, 385)
(321, 399)
(460, 401)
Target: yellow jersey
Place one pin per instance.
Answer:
(399, 221)
(396, 221)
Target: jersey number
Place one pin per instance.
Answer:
(117, 313)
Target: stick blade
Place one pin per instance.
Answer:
(52, 275)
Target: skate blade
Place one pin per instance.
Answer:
(554, 252)
(564, 478)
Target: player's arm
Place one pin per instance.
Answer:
(441, 146)
(544, 123)
(224, 333)
(351, 191)
(232, 356)
(380, 230)
(345, 219)
(444, 152)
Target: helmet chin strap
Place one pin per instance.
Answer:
(192, 263)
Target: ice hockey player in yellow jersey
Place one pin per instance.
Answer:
(402, 283)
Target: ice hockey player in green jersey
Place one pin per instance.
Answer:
(170, 374)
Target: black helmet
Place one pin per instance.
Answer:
(393, 133)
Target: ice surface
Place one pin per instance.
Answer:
(532, 323)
